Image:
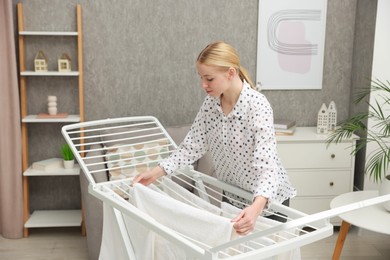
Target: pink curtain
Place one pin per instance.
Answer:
(11, 191)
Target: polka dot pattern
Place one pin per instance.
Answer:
(242, 145)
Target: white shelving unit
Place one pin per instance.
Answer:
(60, 217)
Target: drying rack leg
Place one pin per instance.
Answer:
(340, 240)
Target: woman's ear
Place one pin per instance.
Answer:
(231, 72)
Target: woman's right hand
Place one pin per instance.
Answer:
(150, 176)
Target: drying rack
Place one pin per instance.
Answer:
(140, 143)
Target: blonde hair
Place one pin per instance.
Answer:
(223, 55)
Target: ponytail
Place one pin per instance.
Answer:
(244, 76)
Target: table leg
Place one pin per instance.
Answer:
(340, 240)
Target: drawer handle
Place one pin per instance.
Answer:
(331, 184)
(333, 156)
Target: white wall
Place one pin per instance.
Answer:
(381, 64)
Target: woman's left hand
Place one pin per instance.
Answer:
(246, 220)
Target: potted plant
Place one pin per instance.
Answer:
(68, 156)
(377, 164)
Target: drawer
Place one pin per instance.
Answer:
(315, 155)
(321, 183)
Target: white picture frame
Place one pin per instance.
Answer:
(291, 41)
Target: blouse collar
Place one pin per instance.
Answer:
(241, 105)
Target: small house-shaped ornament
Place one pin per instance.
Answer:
(332, 115)
(40, 62)
(64, 63)
(322, 120)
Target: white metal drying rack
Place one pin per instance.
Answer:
(99, 136)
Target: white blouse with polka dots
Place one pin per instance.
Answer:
(242, 145)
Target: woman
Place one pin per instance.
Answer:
(235, 123)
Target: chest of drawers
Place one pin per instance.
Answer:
(317, 170)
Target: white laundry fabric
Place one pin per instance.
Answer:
(112, 246)
(188, 220)
(178, 192)
(263, 223)
(142, 239)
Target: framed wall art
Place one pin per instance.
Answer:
(291, 40)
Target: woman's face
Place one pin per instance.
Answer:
(214, 81)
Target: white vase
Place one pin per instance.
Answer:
(384, 189)
(52, 104)
(52, 111)
(68, 164)
(51, 98)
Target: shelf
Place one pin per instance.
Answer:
(47, 33)
(58, 172)
(54, 218)
(68, 119)
(50, 73)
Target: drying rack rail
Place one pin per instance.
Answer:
(138, 143)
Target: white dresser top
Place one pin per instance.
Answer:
(307, 134)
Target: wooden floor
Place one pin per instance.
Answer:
(46, 244)
(68, 244)
(359, 245)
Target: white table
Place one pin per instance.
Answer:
(374, 218)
